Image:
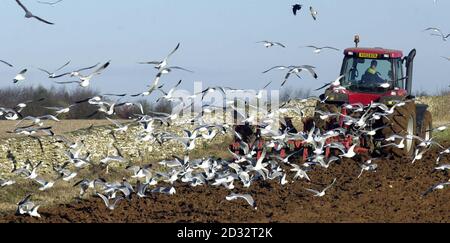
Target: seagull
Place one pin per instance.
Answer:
(28, 14)
(53, 74)
(286, 159)
(326, 115)
(321, 193)
(29, 174)
(446, 151)
(368, 166)
(76, 73)
(169, 95)
(141, 172)
(385, 85)
(120, 127)
(160, 65)
(443, 167)
(152, 88)
(38, 120)
(444, 37)
(426, 143)
(110, 205)
(88, 184)
(61, 110)
(50, 3)
(19, 107)
(5, 183)
(372, 132)
(296, 8)
(269, 44)
(439, 129)
(295, 70)
(400, 145)
(446, 58)
(318, 50)
(25, 206)
(246, 197)
(165, 190)
(86, 80)
(300, 173)
(109, 159)
(20, 76)
(438, 33)
(350, 153)
(439, 186)
(45, 185)
(64, 173)
(167, 70)
(141, 189)
(335, 83)
(314, 13)
(419, 155)
(6, 63)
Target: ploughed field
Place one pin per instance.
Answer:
(391, 194)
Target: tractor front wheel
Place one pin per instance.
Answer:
(402, 122)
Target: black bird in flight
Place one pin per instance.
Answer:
(28, 14)
(296, 8)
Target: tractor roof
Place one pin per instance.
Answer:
(376, 50)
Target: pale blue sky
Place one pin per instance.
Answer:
(217, 39)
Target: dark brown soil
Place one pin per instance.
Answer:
(392, 194)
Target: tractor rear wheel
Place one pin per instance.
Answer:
(402, 122)
(427, 126)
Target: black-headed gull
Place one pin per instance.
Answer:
(28, 14)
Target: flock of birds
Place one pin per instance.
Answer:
(244, 168)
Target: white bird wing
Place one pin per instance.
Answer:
(330, 47)
(105, 200)
(118, 124)
(312, 190)
(246, 197)
(276, 67)
(40, 181)
(328, 187)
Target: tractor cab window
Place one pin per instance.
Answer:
(364, 74)
(400, 79)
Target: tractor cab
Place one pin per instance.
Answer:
(373, 75)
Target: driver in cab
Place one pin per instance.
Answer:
(371, 75)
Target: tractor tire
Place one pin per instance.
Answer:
(427, 126)
(329, 123)
(402, 122)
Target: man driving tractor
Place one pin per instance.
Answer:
(372, 75)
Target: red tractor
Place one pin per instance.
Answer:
(389, 87)
(391, 84)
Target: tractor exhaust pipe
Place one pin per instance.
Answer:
(409, 70)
